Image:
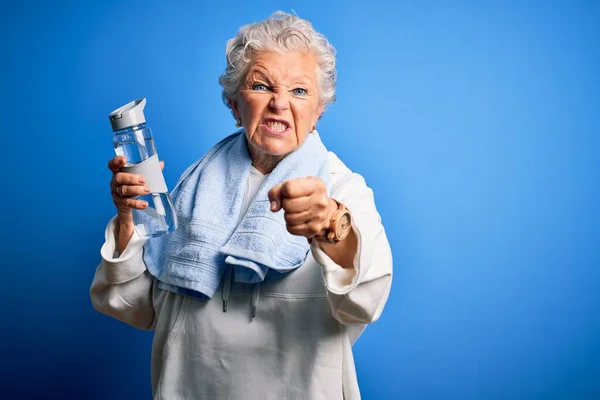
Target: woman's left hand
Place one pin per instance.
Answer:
(307, 207)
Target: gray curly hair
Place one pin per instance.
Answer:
(280, 32)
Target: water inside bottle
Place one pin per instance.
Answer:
(158, 218)
(133, 151)
(130, 151)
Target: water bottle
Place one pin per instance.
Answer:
(133, 139)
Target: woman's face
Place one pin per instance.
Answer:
(278, 102)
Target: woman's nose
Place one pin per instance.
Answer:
(279, 102)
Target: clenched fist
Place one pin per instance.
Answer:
(306, 205)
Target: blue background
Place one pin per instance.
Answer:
(476, 124)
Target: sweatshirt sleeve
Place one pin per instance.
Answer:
(122, 287)
(357, 295)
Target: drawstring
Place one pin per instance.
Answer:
(226, 287)
(227, 278)
(255, 297)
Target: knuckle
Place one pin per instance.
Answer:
(124, 178)
(323, 203)
(294, 230)
(133, 179)
(119, 178)
(314, 182)
(288, 218)
(323, 214)
(286, 188)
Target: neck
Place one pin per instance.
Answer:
(265, 163)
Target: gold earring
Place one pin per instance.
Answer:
(238, 123)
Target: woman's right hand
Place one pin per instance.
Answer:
(123, 187)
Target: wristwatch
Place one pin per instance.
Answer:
(339, 226)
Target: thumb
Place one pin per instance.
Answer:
(276, 197)
(162, 165)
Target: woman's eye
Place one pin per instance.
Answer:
(299, 91)
(259, 86)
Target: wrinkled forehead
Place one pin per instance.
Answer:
(283, 67)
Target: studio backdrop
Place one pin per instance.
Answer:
(475, 124)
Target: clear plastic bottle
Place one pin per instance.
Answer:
(133, 139)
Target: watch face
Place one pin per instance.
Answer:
(344, 225)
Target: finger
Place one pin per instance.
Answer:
(304, 187)
(296, 205)
(124, 178)
(298, 230)
(307, 230)
(292, 188)
(276, 197)
(126, 190)
(162, 165)
(298, 218)
(137, 204)
(125, 203)
(115, 164)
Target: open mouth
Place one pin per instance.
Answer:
(276, 126)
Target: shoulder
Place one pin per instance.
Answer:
(336, 166)
(343, 180)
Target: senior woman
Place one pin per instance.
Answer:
(280, 259)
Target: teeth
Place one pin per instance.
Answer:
(276, 126)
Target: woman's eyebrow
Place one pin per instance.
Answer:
(302, 78)
(258, 73)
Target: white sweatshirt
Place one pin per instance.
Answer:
(299, 345)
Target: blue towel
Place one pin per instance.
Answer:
(211, 237)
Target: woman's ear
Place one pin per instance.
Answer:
(234, 108)
(320, 111)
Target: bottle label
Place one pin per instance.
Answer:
(150, 169)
